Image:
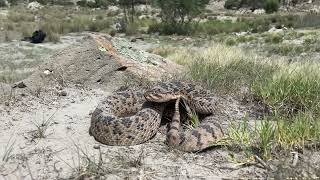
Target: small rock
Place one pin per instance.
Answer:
(90, 113)
(259, 11)
(62, 93)
(96, 147)
(242, 33)
(58, 87)
(275, 30)
(47, 72)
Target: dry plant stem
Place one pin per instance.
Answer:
(262, 162)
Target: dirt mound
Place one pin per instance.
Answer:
(100, 61)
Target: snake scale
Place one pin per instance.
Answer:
(133, 117)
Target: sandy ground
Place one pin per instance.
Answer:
(66, 147)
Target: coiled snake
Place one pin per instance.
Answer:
(133, 117)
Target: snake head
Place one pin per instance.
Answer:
(161, 95)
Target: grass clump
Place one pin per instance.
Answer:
(231, 76)
(131, 29)
(8, 149)
(274, 134)
(288, 49)
(10, 76)
(163, 51)
(292, 89)
(246, 38)
(23, 16)
(285, 88)
(223, 68)
(231, 41)
(41, 128)
(274, 38)
(296, 132)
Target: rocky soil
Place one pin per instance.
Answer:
(44, 120)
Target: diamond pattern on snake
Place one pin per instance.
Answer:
(134, 117)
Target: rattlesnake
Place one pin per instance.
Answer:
(133, 117)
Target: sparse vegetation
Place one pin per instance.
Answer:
(23, 22)
(8, 150)
(42, 127)
(180, 11)
(232, 4)
(2, 3)
(13, 2)
(290, 91)
(90, 166)
(271, 6)
(274, 38)
(94, 4)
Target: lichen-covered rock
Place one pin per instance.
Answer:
(101, 61)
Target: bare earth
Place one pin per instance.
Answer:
(67, 143)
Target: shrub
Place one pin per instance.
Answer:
(112, 32)
(169, 29)
(236, 4)
(232, 4)
(274, 38)
(62, 2)
(131, 29)
(93, 4)
(82, 3)
(180, 11)
(253, 4)
(13, 2)
(43, 2)
(3, 3)
(99, 25)
(271, 6)
(231, 42)
(53, 37)
(101, 3)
